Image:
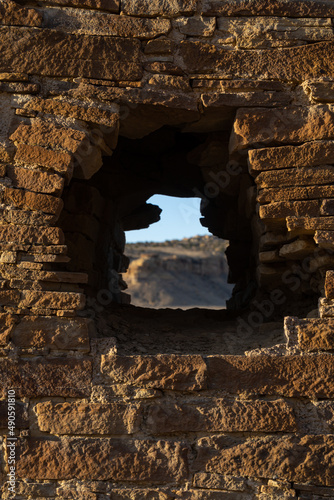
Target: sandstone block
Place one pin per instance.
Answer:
(321, 91)
(102, 459)
(21, 415)
(11, 13)
(50, 53)
(173, 372)
(295, 177)
(20, 198)
(310, 154)
(52, 333)
(29, 234)
(218, 481)
(203, 26)
(7, 324)
(282, 209)
(154, 8)
(221, 416)
(41, 157)
(52, 300)
(42, 182)
(93, 23)
(268, 32)
(9, 297)
(259, 127)
(268, 195)
(88, 418)
(315, 334)
(40, 377)
(108, 5)
(246, 99)
(159, 46)
(326, 308)
(329, 285)
(138, 494)
(298, 249)
(44, 490)
(297, 8)
(291, 376)
(325, 239)
(311, 456)
(283, 64)
(209, 495)
(306, 225)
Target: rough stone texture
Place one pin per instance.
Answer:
(329, 285)
(50, 53)
(11, 13)
(158, 7)
(180, 373)
(42, 377)
(34, 331)
(84, 418)
(272, 375)
(107, 459)
(292, 458)
(221, 416)
(288, 64)
(258, 127)
(295, 8)
(7, 324)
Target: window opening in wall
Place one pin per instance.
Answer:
(176, 263)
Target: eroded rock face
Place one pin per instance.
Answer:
(104, 103)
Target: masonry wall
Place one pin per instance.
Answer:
(93, 423)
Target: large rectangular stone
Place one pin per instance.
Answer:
(246, 99)
(295, 177)
(164, 371)
(53, 333)
(20, 198)
(258, 127)
(42, 377)
(52, 53)
(52, 300)
(268, 195)
(108, 5)
(40, 157)
(291, 458)
(315, 334)
(294, 8)
(286, 64)
(307, 225)
(88, 418)
(102, 459)
(41, 182)
(95, 23)
(310, 154)
(289, 376)
(29, 234)
(282, 209)
(154, 8)
(221, 415)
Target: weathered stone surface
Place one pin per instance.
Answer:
(107, 459)
(33, 331)
(329, 285)
(158, 7)
(20, 198)
(180, 373)
(258, 127)
(29, 234)
(267, 32)
(298, 249)
(42, 182)
(7, 323)
(42, 377)
(159, 46)
(296, 8)
(94, 23)
(282, 209)
(322, 91)
(221, 416)
(285, 64)
(306, 225)
(9, 297)
(11, 13)
(108, 5)
(246, 99)
(44, 490)
(52, 300)
(50, 53)
(40, 157)
(295, 177)
(21, 415)
(304, 459)
(138, 494)
(310, 154)
(209, 495)
(326, 308)
(218, 481)
(290, 376)
(315, 334)
(203, 26)
(88, 418)
(82, 111)
(295, 193)
(325, 239)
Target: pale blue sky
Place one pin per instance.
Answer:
(179, 219)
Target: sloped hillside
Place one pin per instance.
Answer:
(178, 274)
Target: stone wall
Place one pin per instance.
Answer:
(104, 103)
